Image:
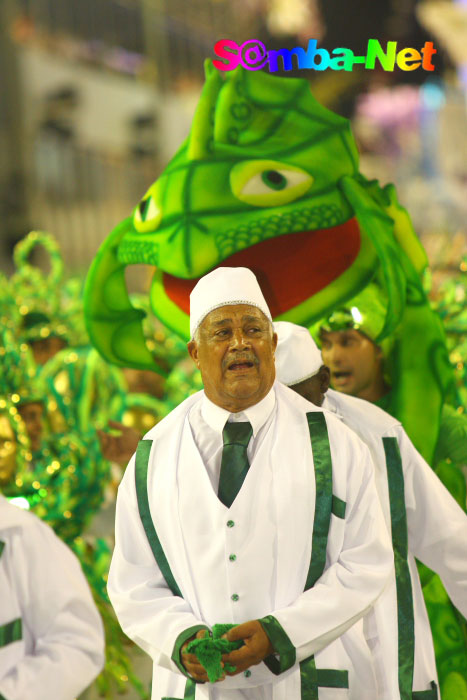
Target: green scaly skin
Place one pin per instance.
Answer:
(213, 206)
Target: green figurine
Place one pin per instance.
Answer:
(269, 179)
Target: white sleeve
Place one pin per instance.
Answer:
(347, 589)
(59, 613)
(148, 612)
(437, 526)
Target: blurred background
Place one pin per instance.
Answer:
(96, 96)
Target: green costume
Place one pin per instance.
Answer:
(45, 305)
(63, 481)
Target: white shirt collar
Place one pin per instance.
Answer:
(216, 417)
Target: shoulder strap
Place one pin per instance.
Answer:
(141, 481)
(405, 613)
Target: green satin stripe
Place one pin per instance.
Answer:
(323, 478)
(338, 507)
(11, 632)
(141, 481)
(309, 679)
(281, 643)
(2, 545)
(312, 678)
(405, 613)
(329, 678)
(431, 694)
(189, 694)
(190, 689)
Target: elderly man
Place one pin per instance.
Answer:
(51, 635)
(247, 505)
(425, 521)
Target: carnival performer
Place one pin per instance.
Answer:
(51, 635)
(424, 519)
(201, 538)
(365, 367)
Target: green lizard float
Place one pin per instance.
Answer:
(269, 179)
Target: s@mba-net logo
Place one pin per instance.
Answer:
(253, 55)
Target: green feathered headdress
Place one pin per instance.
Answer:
(45, 305)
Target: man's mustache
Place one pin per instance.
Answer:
(239, 358)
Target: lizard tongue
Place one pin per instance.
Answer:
(290, 268)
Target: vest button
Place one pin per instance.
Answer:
(247, 673)
(232, 557)
(235, 597)
(230, 523)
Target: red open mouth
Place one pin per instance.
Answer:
(289, 269)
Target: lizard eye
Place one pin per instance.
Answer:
(268, 183)
(147, 215)
(273, 179)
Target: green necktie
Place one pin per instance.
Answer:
(234, 464)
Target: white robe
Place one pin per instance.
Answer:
(437, 536)
(62, 646)
(271, 538)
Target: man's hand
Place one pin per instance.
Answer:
(191, 663)
(257, 646)
(119, 448)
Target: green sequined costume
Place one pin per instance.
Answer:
(64, 479)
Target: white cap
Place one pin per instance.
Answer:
(297, 355)
(225, 286)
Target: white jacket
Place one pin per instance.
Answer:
(269, 528)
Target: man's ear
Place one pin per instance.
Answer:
(274, 341)
(324, 378)
(192, 347)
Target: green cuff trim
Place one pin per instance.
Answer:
(179, 642)
(11, 632)
(338, 507)
(282, 646)
(426, 694)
